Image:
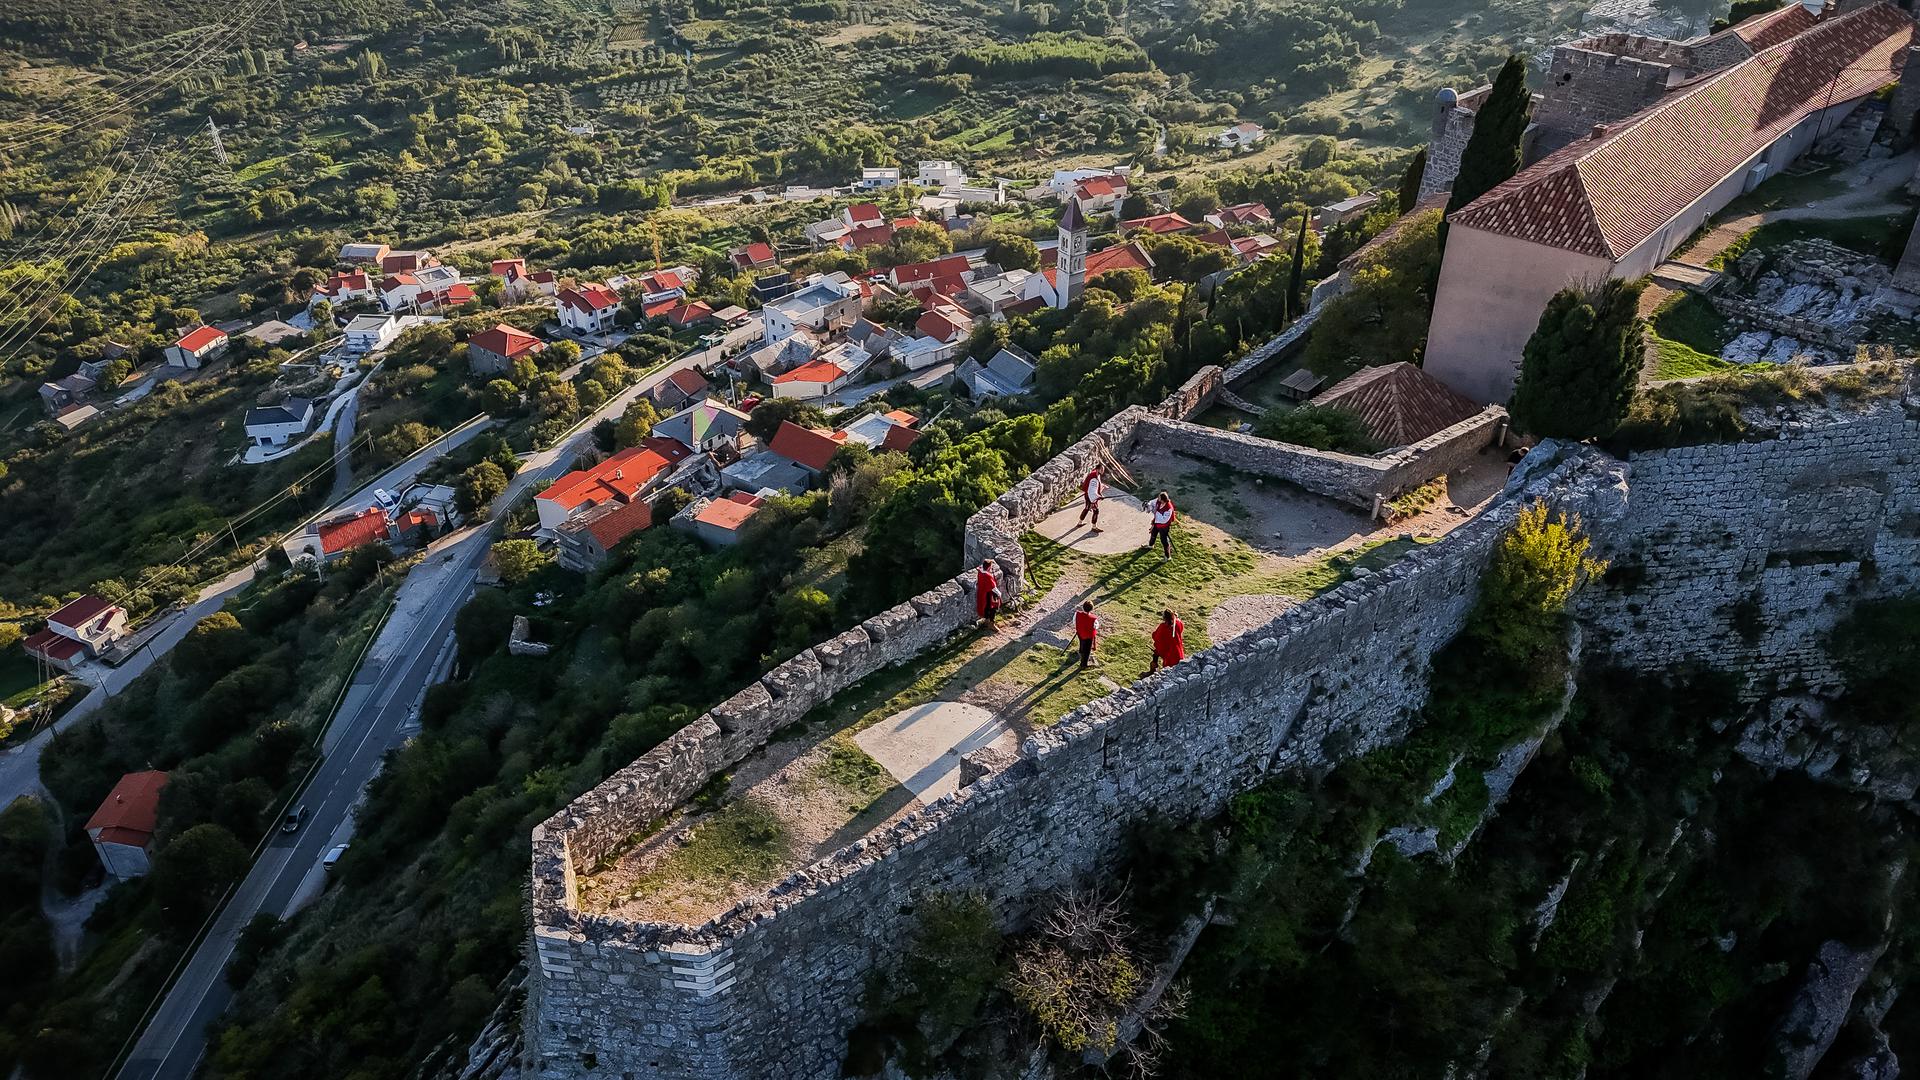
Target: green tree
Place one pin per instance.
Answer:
(483, 624)
(1010, 252)
(518, 560)
(561, 354)
(1580, 367)
(216, 645)
(402, 440)
(1381, 318)
(1521, 613)
(1411, 180)
(1492, 154)
(478, 487)
(191, 872)
(1316, 426)
(1297, 274)
(635, 423)
(766, 417)
(501, 396)
(10, 634)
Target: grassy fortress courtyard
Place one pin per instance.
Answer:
(1245, 548)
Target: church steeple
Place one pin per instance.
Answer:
(1070, 258)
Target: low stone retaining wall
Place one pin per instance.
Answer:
(1275, 350)
(1353, 479)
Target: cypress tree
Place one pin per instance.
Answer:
(1580, 367)
(1410, 181)
(1492, 154)
(1297, 278)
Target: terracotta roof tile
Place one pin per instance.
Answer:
(132, 809)
(1604, 196)
(1399, 403)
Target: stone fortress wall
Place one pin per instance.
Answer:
(772, 987)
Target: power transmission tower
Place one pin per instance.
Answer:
(220, 148)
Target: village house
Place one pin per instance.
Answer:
(196, 347)
(770, 287)
(941, 174)
(1616, 202)
(1339, 213)
(60, 394)
(777, 357)
(829, 372)
(993, 295)
(1398, 404)
(337, 537)
(366, 334)
(1239, 214)
(710, 427)
(428, 286)
(415, 528)
(875, 179)
(1158, 224)
(908, 275)
(587, 539)
(624, 477)
(362, 254)
(826, 303)
(1009, 372)
(122, 828)
(719, 521)
(513, 277)
(687, 314)
(278, 425)
(809, 448)
(406, 262)
(944, 323)
(681, 387)
(1100, 194)
(544, 282)
(492, 351)
(893, 430)
(78, 631)
(589, 308)
(754, 256)
(1245, 248)
(1242, 136)
(342, 288)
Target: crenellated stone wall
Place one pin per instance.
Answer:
(1734, 556)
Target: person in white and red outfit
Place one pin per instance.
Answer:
(1092, 489)
(1163, 514)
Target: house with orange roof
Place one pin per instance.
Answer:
(196, 347)
(1043, 287)
(681, 388)
(406, 262)
(122, 828)
(588, 308)
(908, 275)
(1158, 224)
(624, 477)
(493, 351)
(809, 448)
(827, 373)
(586, 540)
(1617, 201)
(754, 256)
(719, 521)
(343, 534)
(945, 323)
(1249, 213)
(342, 287)
(1100, 194)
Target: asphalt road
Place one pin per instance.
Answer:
(396, 673)
(378, 704)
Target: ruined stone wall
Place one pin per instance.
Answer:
(1351, 478)
(1828, 508)
(1740, 557)
(771, 988)
(1453, 118)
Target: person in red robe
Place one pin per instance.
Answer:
(986, 594)
(1169, 641)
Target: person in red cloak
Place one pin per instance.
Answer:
(986, 594)
(1169, 641)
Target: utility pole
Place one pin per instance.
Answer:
(219, 148)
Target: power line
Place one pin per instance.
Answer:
(98, 189)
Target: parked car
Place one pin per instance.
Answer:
(291, 823)
(333, 857)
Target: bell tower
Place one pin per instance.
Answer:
(1070, 258)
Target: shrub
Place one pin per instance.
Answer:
(1538, 564)
(1317, 427)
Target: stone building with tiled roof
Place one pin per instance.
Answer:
(1619, 200)
(1398, 403)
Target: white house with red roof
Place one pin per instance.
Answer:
(862, 216)
(907, 275)
(1616, 202)
(825, 303)
(122, 828)
(513, 277)
(624, 477)
(196, 347)
(1100, 194)
(78, 631)
(492, 351)
(545, 282)
(588, 308)
(342, 288)
(1158, 224)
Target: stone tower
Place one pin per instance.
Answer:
(1070, 258)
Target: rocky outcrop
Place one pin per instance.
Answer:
(1804, 733)
(1820, 1008)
